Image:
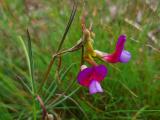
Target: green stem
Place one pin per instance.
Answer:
(34, 109)
(32, 75)
(59, 47)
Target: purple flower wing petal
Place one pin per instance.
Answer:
(100, 72)
(84, 77)
(125, 56)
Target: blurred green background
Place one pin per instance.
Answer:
(131, 90)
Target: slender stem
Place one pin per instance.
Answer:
(82, 55)
(44, 113)
(31, 62)
(60, 45)
(34, 110)
(32, 75)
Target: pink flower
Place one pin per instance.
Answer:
(91, 77)
(119, 55)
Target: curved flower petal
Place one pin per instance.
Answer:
(120, 55)
(119, 46)
(125, 56)
(100, 72)
(84, 77)
(95, 87)
(111, 58)
(120, 43)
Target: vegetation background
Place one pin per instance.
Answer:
(131, 90)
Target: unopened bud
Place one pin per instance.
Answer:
(49, 117)
(83, 67)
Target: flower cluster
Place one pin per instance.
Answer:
(91, 77)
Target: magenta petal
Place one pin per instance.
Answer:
(125, 56)
(113, 58)
(95, 87)
(121, 41)
(100, 72)
(120, 45)
(84, 77)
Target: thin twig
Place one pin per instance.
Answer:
(60, 45)
(44, 111)
(82, 55)
(58, 68)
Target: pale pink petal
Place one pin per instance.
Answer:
(95, 87)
